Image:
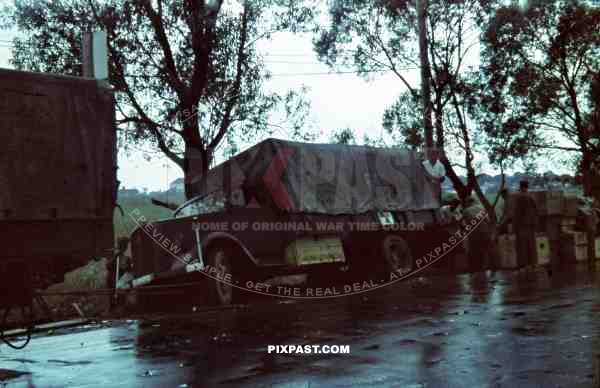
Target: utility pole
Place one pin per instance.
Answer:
(95, 55)
(425, 71)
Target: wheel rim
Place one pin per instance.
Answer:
(223, 267)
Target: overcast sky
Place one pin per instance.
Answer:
(337, 101)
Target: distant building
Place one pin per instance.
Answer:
(128, 193)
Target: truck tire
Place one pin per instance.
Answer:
(219, 291)
(397, 256)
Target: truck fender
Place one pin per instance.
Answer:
(209, 240)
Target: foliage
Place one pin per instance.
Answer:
(381, 36)
(343, 136)
(540, 64)
(187, 74)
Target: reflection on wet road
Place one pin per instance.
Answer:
(504, 330)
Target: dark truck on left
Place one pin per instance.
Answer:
(284, 208)
(57, 174)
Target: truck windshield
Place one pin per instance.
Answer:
(209, 203)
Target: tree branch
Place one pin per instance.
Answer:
(203, 36)
(392, 66)
(163, 41)
(237, 83)
(143, 117)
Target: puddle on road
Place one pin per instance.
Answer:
(210, 344)
(406, 342)
(23, 360)
(69, 363)
(9, 374)
(530, 330)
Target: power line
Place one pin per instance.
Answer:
(289, 55)
(327, 73)
(304, 74)
(294, 62)
(290, 74)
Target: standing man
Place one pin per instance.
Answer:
(433, 165)
(480, 244)
(522, 213)
(524, 224)
(434, 168)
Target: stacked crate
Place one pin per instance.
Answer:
(508, 253)
(574, 243)
(557, 234)
(573, 246)
(550, 205)
(569, 213)
(548, 202)
(570, 205)
(568, 223)
(542, 243)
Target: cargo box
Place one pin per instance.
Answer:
(58, 166)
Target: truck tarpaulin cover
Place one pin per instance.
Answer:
(325, 178)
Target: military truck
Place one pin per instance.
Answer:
(284, 207)
(57, 172)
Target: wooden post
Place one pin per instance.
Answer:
(94, 59)
(87, 69)
(422, 6)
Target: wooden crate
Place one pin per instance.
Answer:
(568, 223)
(542, 224)
(572, 237)
(543, 249)
(548, 202)
(569, 206)
(572, 253)
(507, 251)
(581, 253)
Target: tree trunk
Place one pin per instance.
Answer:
(586, 172)
(439, 120)
(425, 71)
(195, 167)
(459, 186)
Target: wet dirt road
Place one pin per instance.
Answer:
(455, 331)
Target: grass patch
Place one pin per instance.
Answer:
(124, 225)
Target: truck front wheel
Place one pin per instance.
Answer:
(220, 291)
